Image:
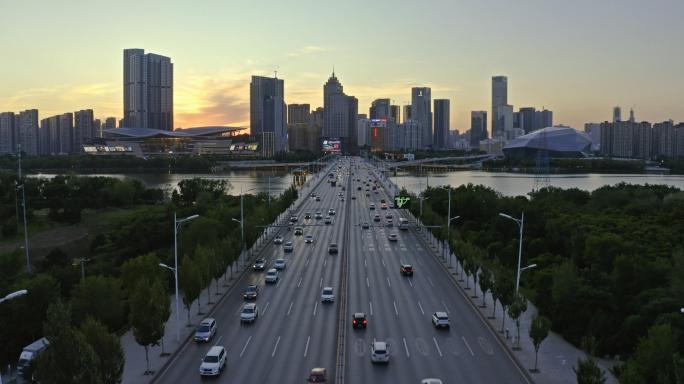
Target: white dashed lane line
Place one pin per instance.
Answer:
(245, 347)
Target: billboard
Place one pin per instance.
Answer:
(332, 145)
(377, 139)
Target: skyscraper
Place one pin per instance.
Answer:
(617, 114)
(478, 128)
(407, 113)
(380, 109)
(528, 119)
(110, 123)
(83, 129)
(395, 113)
(544, 119)
(65, 133)
(7, 133)
(505, 123)
(340, 114)
(422, 113)
(298, 126)
(148, 90)
(442, 119)
(499, 98)
(298, 114)
(267, 113)
(27, 129)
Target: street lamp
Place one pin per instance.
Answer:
(23, 206)
(13, 295)
(521, 223)
(242, 218)
(176, 227)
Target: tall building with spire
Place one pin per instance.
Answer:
(340, 110)
(421, 111)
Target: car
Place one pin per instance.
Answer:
(340, 194)
(308, 239)
(391, 205)
(318, 198)
(205, 330)
(353, 197)
(431, 380)
(374, 187)
(376, 218)
(383, 205)
(376, 192)
(271, 276)
(406, 270)
(332, 248)
(318, 215)
(259, 265)
(342, 199)
(389, 223)
(213, 362)
(327, 295)
(294, 219)
(251, 292)
(313, 194)
(367, 194)
(249, 313)
(371, 206)
(317, 376)
(392, 237)
(307, 216)
(331, 212)
(287, 247)
(279, 264)
(358, 188)
(440, 320)
(359, 320)
(365, 225)
(298, 231)
(278, 240)
(328, 220)
(389, 216)
(403, 224)
(380, 352)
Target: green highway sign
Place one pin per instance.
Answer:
(401, 201)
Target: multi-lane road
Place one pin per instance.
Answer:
(295, 331)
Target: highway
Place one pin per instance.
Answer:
(296, 332)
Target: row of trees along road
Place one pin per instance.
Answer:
(610, 265)
(125, 288)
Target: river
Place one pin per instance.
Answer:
(508, 184)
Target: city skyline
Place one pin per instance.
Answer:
(579, 66)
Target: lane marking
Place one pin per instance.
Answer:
(421, 308)
(396, 312)
(388, 282)
(300, 282)
(364, 263)
(325, 261)
(218, 341)
(367, 283)
(431, 283)
(315, 307)
(278, 283)
(265, 308)
(410, 283)
(371, 308)
(276, 347)
(437, 346)
(445, 307)
(307, 262)
(468, 345)
(289, 309)
(245, 347)
(306, 349)
(406, 348)
(383, 261)
(321, 283)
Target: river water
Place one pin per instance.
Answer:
(508, 184)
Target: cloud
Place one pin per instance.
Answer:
(307, 50)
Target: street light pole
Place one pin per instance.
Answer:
(521, 224)
(176, 226)
(23, 206)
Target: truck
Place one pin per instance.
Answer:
(30, 353)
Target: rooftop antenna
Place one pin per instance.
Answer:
(275, 72)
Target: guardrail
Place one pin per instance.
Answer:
(342, 310)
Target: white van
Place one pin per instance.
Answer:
(31, 352)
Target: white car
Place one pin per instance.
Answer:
(431, 381)
(278, 240)
(288, 247)
(271, 276)
(308, 239)
(380, 352)
(214, 362)
(331, 212)
(440, 320)
(279, 264)
(327, 296)
(249, 313)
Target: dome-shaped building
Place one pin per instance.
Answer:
(556, 141)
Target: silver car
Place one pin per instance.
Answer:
(249, 314)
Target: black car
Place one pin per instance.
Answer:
(359, 320)
(259, 265)
(251, 292)
(307, 216)
(298, 231)
(332, 248)
(406, 270)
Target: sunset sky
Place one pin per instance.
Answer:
(578, 58)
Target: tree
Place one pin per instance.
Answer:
(100, 297)
(504, 288)
(204, 258)
(108, 351)
(146, 315)
(588, 372)
(653, 361)
(515, 310)
(190, 283)
(141, 267)
(539, 330)
(486, 283)
(69, 358)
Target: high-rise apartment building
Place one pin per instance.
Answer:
(543, 119)
(298, 126)
(65, 133)
(84, 130)
(527, 119)
(617, 114)
(395, 113)
(593, 130)
(380, 109)
(340, 114)
(97, 129)
(442, 124)
(407, 113)
(8, 133)
(499, 99)
(298, 114)
(504, 124)
(27, 131)
(478, 128)
(268, 114)
(148, 90)
(664, 143)
(626, 139)
(109, 123)
(421, 112)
